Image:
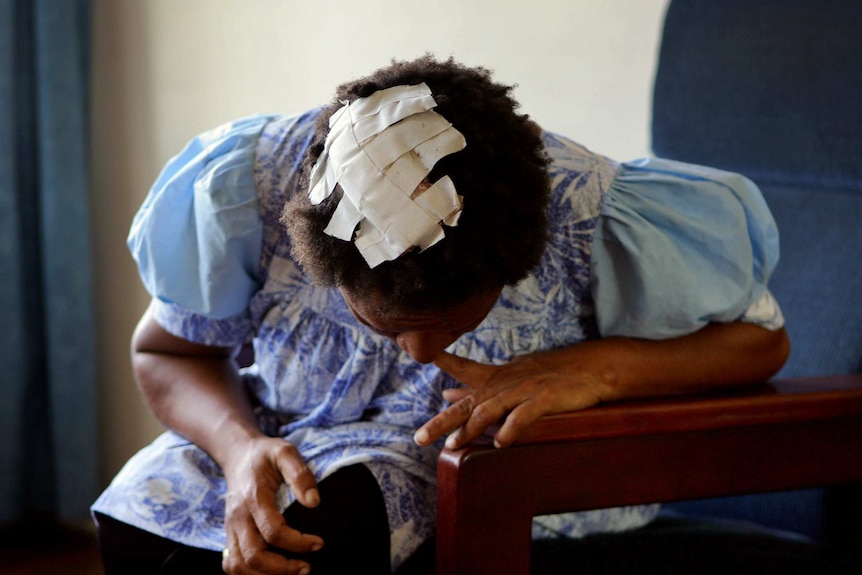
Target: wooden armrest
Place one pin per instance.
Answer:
(783, 401)
(789, 434)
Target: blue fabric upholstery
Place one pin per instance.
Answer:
(819, 279)
(767, 88)
(774, 90)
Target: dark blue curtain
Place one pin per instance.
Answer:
(48, 421)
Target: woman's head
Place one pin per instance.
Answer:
(501, 175)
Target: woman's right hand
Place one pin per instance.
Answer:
(185, 384)
(253, 523)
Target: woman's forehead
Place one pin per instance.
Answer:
(368, 309)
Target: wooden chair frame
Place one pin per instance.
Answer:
(789, 434)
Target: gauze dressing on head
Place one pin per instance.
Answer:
(380, 149)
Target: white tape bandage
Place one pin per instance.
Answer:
(380, 149)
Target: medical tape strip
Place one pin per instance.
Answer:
(380, 149)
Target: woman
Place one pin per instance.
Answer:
(415, 235)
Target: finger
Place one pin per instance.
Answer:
(465, 370)
(267, 563)
(272, 563)
(524, 414)
(456, 394)
(269, 522)
(248, 554)
(516, 422)
(297, 475)
(486, 413)
(451, 418)
(269, 525)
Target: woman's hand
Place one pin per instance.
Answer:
(521, 391)
(195, 390)
(582, 375)
(253, 522)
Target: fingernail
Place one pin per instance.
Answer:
(451, 442)
(312, 497)
(317, 547)
(421, 437)
(304, 570)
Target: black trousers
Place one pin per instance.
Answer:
(351, 519)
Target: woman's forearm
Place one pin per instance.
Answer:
(717, 356)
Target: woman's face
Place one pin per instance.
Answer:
(422, 334)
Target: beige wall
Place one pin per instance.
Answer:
(165, 70)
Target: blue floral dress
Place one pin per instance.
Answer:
(648, 249)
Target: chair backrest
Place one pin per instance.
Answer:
(773, 90)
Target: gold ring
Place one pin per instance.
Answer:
(225, 553)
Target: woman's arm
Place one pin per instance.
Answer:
(196, 391)
(612, 369)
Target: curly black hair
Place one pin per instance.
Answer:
(502, 175)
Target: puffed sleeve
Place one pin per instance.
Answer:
(678, 246)
(197, 237)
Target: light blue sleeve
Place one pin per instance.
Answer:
(197, 237)
(678, 246)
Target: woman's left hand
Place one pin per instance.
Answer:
(582, 375)
(521, 391)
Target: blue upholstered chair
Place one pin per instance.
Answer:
(771, 89)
